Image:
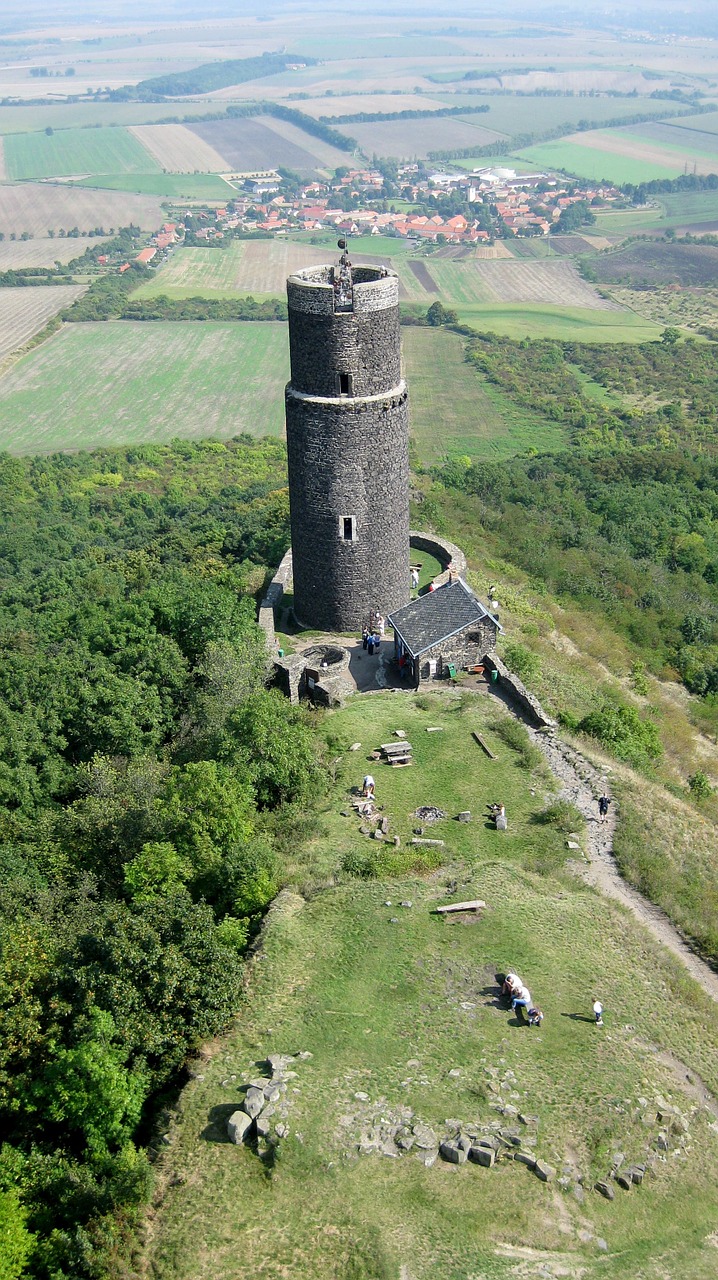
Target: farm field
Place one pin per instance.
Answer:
(409, 139)
(569, 324)
(676, 137)
(174, 147)
(517, 113)
(262, 142)
(25, 311)
(689, 308)
(94, 384)
(43, 252)
(39, 207)
(398, 1013)
(256, 267)
(32, 118)
(453, 411)
(201, 187)
(659, 262)
(75, 151)
(345, 104)
(692, 210)
(548, 280)
(601, 159)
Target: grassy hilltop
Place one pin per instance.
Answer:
(398, 1008)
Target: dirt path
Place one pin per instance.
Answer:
(582, 784)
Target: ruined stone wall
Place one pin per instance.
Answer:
(348, 452)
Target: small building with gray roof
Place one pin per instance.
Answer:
(448, 627)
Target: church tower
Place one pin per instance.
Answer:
(348, 445)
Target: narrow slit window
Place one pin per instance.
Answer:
(348, 528)
(345, 384)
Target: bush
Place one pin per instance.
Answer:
(516, 736)
(563, 815)
(621, 730)
(699, 786)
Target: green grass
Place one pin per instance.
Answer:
(173, 186)
(390, 999)
(81, 151)
(534, 320)
(626, 221)
(588, 162)
(114, 383)
(689, 207)
(453, 411)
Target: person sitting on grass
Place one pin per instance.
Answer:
(521, 1000)
(535, 1017)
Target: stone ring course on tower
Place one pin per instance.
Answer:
(348, 445)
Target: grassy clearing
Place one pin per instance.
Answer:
(389, 1000)
(172, 186)
(114, 383)
(453, 411)
(576, 324)
(81, 151)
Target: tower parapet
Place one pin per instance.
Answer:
(348, 445)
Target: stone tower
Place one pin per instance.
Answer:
(348, 445)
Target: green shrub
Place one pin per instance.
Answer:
(621, 730)
(699, 786)
(563, 815)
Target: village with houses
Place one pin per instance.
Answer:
(491, 204)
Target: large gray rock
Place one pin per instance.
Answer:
(237, 1125)
(263, 1125)
(624, 1179)
(404, 1139)
(278, 1061)
(606, 1190)
(544, 1171)
(452, 1152)
(483, 1156)
(527, 1158)
(253, 1102)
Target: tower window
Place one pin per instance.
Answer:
(348, 528)
(345, 384)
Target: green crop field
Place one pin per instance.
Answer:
(170, 186)
(399, 1014)
(80, 151)
(114, 383)
(689, 208)
(570, 324)
(454, 411)
(589, 162)
(625, 221)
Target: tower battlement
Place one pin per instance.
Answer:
(347, 443)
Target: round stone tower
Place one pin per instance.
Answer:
(348, 446)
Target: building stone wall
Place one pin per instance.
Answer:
(348, 452)
(466, 649)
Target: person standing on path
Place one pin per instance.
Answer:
(603, 803)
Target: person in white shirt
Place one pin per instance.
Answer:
(598, 1012)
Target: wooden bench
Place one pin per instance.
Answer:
(397, 753)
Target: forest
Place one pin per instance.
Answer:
(149, 783)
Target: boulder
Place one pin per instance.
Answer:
(624, 1180)
(636, 1171)
(544, 1171)
(464, 816)
(464, 1142)
(483, 1156)
(237, 1125)
(491, 1143)
(606, 1190)
(526, 1157)
(253, 1102)
(452, 1152)
(262, 1125)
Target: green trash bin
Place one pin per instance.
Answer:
(494, 676)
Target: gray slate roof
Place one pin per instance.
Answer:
(436, 616)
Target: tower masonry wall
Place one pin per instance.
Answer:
(347, 444)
